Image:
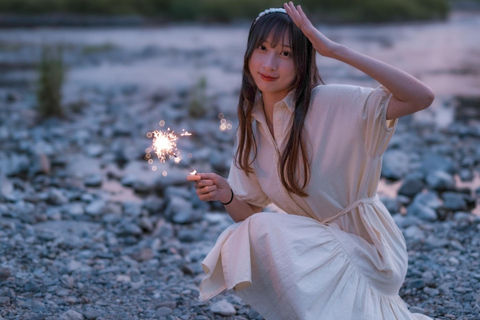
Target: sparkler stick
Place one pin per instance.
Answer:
(164, 145)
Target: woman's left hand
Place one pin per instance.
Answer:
(321, 43)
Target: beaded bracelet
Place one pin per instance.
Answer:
(230, 199)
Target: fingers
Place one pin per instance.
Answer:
(206, 190)
(193, 177)
(296, 13)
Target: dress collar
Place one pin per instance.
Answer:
(258, 113)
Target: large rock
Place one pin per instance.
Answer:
(423, 212)
(440, 181)
(412, 185)
(395, 164)
(424, 206)
(434, 162)
(71, 315)
(96, 208)
(176, 205)
(454, 201)
(187, 216)
(223, 308)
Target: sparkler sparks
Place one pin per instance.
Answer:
(164, 144)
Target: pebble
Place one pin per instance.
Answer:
(223, 308)
(4, 274)
(71, 315)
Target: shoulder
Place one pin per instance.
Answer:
(339, 96)
(339, 92)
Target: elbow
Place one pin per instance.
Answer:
(426, 100)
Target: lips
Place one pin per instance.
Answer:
(267, 78)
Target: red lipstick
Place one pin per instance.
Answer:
(267, 78)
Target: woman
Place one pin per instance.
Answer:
(315, 151)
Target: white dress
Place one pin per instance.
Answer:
(336, 254)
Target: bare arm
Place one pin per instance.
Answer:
(212, 187)
(409, 94)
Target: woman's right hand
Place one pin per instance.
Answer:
(211, 187)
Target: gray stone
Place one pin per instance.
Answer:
(414, 233)
(454, 201)
(395, 164)
(465, 175)
(440, 181)
(4, 301)
(164, 311)
(6, 188)
(464, 217)
(435, 242)
(392, 205)
(74, 209)
(71, 315)
(94, 150)
(186, 235)
(132, 209)
(429, 199)
(411, 186)
(432, 292)
(144, 254)
(57, 197)
(128, 228)
(31, 286)
(93, 180)
(187, 216)
(96, 208)
(175, 205)
(4, 274)
(91, 314)
(417, 310)
(422, 211)
(434, 162)
(223, 308)
(146, 224)
(415, 283)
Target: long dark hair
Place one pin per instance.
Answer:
(307, 77)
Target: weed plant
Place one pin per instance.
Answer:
(197, 99)
(51, 76)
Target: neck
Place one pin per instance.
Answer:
(269, 101)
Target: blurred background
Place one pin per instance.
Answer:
(92, 225)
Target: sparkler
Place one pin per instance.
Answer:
(164, 145)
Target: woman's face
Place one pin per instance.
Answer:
(272, 68)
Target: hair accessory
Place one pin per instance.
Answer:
(230, 199)
(271, 10)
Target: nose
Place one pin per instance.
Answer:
(270, 62)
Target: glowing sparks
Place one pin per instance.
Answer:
(164, 144)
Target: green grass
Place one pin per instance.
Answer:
(228, 10)
(197, 99)
(51, 77)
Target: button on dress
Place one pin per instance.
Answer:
(336, 254)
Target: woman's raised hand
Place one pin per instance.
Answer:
(321, 43)
(211, 187)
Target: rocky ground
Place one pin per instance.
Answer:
(89, 231)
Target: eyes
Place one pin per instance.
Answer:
(282, 53)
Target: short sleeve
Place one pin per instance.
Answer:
(247, 188)
(377, 130)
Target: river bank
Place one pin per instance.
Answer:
(90, 231)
